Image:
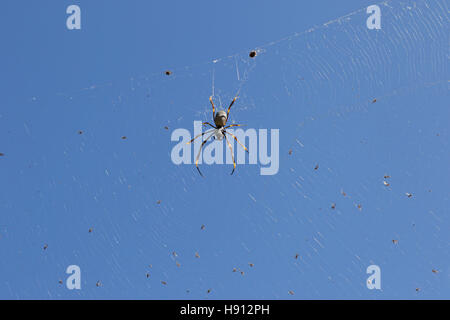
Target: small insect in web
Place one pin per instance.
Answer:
(219, 131)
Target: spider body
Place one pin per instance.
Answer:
(219, 134)
(220, 119)
(219, 131)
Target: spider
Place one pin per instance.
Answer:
(219, 131)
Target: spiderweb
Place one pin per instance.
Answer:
(353, 105)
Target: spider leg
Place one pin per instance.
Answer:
(207, 123)
(232, 155)
(237, 140)
(201, 134)
(232, 102)
(234, 125)
(199, 151)
(214, 108)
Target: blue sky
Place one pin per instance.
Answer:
(86, 169)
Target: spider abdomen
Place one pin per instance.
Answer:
(220, 119)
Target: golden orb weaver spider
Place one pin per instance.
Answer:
(219, 130)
